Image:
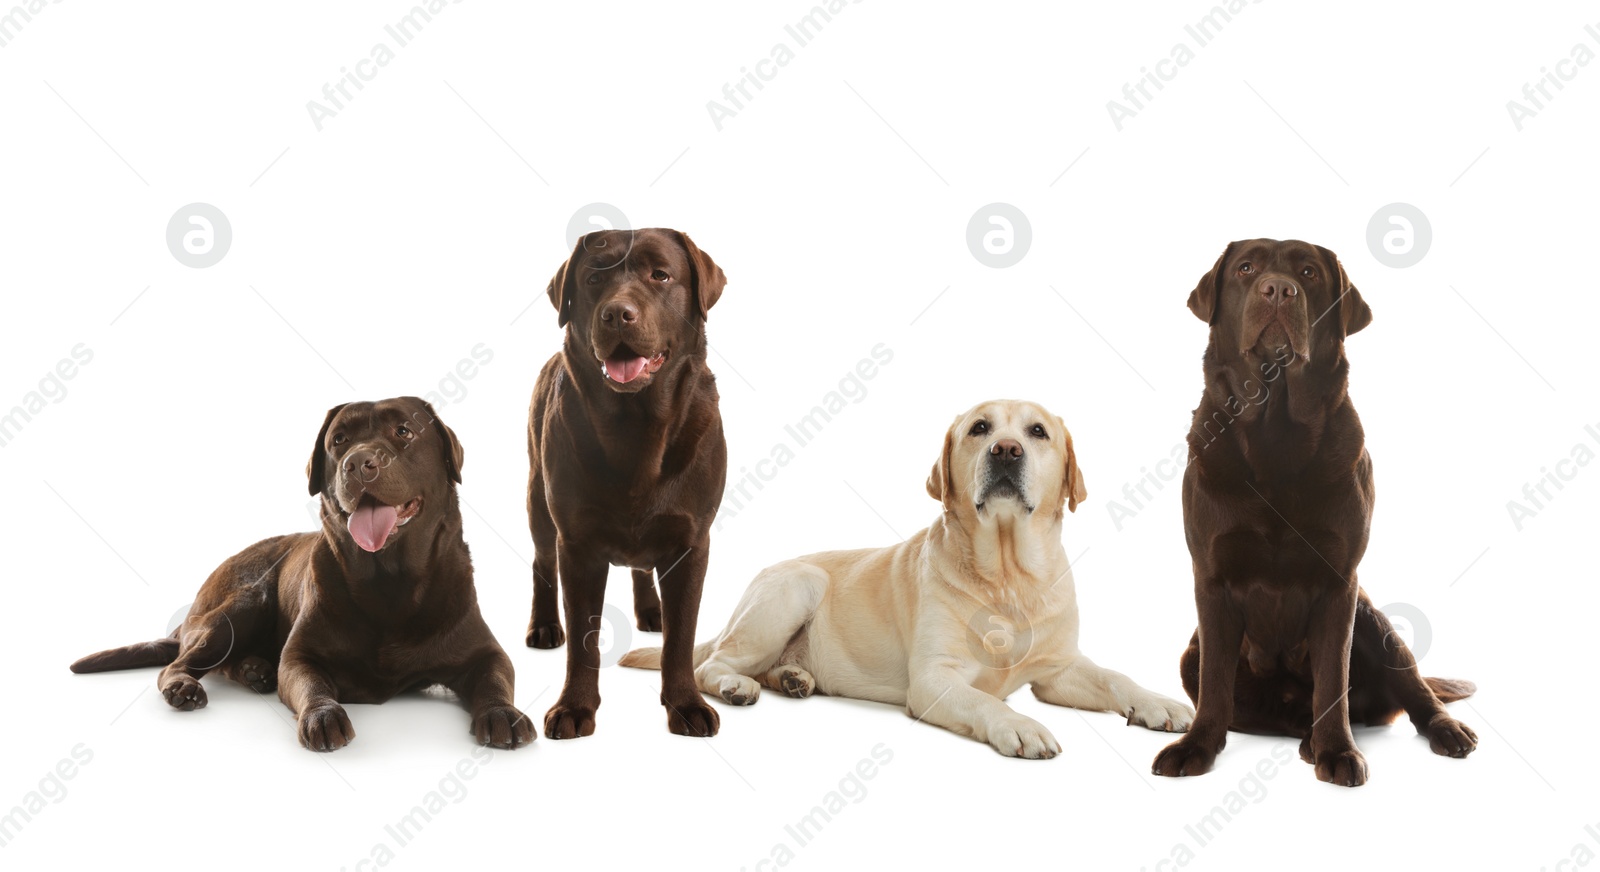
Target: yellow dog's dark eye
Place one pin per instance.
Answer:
(1309, 273)
(1038, 431)
(659, 275)
(979, 429)
(1245, 268)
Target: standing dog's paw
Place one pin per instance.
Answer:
(1184, 757)
(692, 717)
(1022, 736)
(648, 618)
(738, 690)
(503, 727)
(1157, 712)
(567, 720)
(546, 635)
(1449, 737)
(258, 674)
(1345, 768)
(325, 728)
(184, 693)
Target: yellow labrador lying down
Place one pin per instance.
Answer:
(951, 621)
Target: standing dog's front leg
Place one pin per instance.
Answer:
(485, 685)
(583, 592)
(1221, 632)
(943, 695)
(1331, 746)
(688, 714)
(322, 724)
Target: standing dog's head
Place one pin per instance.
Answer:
(1007, 458)
(633, 300)
(380, 465)
(1286, 301)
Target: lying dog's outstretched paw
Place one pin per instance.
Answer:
(796, 682)
(569, 720)
(1157, 712)
(503, 727)
(692, 717)
(648, 618)
(1449, 737)
(1184, 757)
(258, 674)
(184, 693)
(1022, 736)
(325, 728)
(738, 690)
(1345, 768)
(546, 635)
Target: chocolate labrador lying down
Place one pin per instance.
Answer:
(627, 461)
(1277, 505)
(379, 602)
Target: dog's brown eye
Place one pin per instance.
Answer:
(1038, 431)
(338, 438)
(659, 275)
(979, 429)
(1245, 268)
(403, 432)
(1309, 273)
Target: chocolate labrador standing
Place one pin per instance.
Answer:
(1277, 505)
(379, 602)
(627, 461)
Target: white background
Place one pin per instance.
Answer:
(374, 254)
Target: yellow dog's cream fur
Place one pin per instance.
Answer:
(949, 622)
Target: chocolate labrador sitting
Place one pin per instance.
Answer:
(380, 601)
(627, 461)
(1277, 505)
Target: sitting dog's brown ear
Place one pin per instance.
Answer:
(707, 280)
(562, 285)
(1203, 299)
(315, 472)
(1354, 313)
(1072, 487)
(939, 484)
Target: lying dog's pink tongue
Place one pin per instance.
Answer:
(625, 369)
(371, 523)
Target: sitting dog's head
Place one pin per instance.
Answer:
(632, 300)
(1007, 458)
(378, 466)
(1279, 301)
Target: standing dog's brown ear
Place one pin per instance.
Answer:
(562, 285)
(707, 280)
(315, 471)
(1072, 487)
(939, 484)
(1354, 313)
(1203, 299)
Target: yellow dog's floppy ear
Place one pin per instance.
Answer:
(1203, 299)
(316, 475)
(1354, 313)
(1072, 488)
(707, 280)
(939, 483)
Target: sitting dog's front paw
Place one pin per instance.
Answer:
(184, 693)
(1187, 756)
(325, 728)
(503, 727)
(1157, 712)
(1022, 736)
(692, 717)
(1346, 768)
(1449, 737)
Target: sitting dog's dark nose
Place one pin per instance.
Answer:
(619, 313)
(1006, 450)
(1279, 290)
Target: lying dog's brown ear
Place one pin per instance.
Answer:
(316, 475)
(1203, 299)
(707, 280)
(562, 285)
(1072, 487)
(454, 454)
(939, 485)
(1354, 313)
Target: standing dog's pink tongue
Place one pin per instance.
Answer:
(625, 370)
(371, 523)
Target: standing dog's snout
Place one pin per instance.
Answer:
(1278, 289)
(1006, 451)
(619, 313)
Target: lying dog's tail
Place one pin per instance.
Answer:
(1451, 689)
(140, 656)
(650, 658)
